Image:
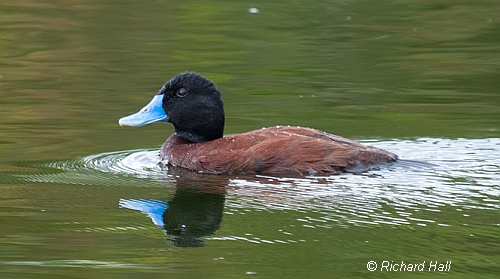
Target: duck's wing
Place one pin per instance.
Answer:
(304, 151)
(283, 153)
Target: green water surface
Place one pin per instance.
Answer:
(390, 71)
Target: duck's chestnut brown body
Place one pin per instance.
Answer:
(275, 150)
(193, 105)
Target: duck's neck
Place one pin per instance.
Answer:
(201, 133)
(206, 125)
(192, 138)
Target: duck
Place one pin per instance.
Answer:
(193, 105)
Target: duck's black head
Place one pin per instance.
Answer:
(191, 103)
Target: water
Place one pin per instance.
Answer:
(81, 197)
(450, 192)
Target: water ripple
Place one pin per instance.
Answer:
(78, 263)
(120, 168)
(463, 174)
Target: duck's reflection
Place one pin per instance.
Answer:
(195, 210)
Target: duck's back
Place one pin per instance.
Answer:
(274, 150)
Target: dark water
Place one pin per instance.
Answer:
(81, 197)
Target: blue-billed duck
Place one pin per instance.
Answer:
(193, 104)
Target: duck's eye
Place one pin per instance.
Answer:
(181, 92)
